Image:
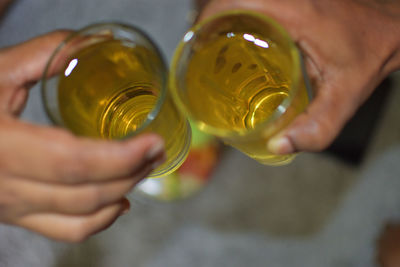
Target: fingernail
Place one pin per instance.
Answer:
(155, 151)
(280, 145)
(126, 208)
(124, 211)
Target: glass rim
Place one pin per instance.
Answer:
(297, 74)
(152, 115)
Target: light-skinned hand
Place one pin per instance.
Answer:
(52, 182)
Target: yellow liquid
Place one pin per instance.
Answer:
(108, 91)
(127, 111)
(235, 82)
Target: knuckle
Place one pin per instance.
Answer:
(59, 35)
(85, 201)
(60, 32)
(6, 204)
(92, 198)
(74, 168)
(8, 200)
(323, 134)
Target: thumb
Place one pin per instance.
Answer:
(23, 64)
(317, 127)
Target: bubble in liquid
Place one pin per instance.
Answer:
(219, 64)
(236, 67)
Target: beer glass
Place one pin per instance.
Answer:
(239, 76)
(109, 81)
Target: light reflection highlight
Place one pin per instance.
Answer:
(188, 36)
(151, 186)
(256, 41)
(261, 43)
(249, 37)
(281, 109)
(71, 67)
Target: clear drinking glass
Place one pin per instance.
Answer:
(191, 178)
(110, 81)
(239, 76)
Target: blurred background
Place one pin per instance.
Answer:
(326, 209)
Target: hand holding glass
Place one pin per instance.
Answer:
(110, 81)
(239, 76)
